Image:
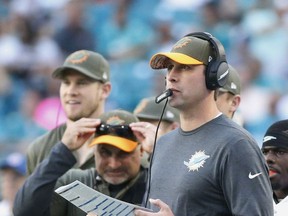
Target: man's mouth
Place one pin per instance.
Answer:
(118, 172)
(72, 102)
(272, 173)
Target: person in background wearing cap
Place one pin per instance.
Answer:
(84, 88)
(275, 150)
(13, 170)
(148, 112)
(209, 165)
(117, 173)
(228, 97)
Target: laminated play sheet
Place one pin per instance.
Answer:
(90, 200)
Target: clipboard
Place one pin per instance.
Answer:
(90, 200)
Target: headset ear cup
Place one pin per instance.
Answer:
(209, 75)
(222, 74)
(216, 75)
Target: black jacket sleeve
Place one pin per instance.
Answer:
(34, 197)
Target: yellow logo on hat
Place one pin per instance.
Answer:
(115, 120)
(182, 43)
(78, 57)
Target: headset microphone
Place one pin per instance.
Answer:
(164, 95)
(167, 93)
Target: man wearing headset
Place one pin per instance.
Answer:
(209, 165)
(148, 111)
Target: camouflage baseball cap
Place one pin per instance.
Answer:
(89, 63)
(188, 50)
(114, 130)
(233, 84)
(148, 109)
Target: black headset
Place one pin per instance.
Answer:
(217, 70)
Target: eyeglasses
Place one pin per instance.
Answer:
(118, 130)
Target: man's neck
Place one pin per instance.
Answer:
(280, 194)
(192, 119)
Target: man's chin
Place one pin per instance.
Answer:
(74, 117)
(275, 185)
(115, 180)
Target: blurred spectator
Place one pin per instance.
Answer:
(125, 41)
(281, 7)
(73, 35)
(148, 111)
(269, 42)
(122, 37)
(13, 171)
(9, 94)
(214, 23)
(228, 97)
(20, 127)
(282, 107)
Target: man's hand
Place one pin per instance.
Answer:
(145, 133)
(77, 133)
(164, 209)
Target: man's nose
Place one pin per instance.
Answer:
(270, 156)
(172, 75)
(71, 89)
(114, 162)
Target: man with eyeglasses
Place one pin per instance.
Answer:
(275, 150)
(228, 97)
(117, 173)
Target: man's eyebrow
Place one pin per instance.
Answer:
(84, 78)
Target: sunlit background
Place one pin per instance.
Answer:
(37, 35)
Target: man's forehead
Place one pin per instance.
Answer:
(111, 148)
(108, 147)
(169, 61)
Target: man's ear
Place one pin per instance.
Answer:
(141, 150)
(236, 102)
(106, 87)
